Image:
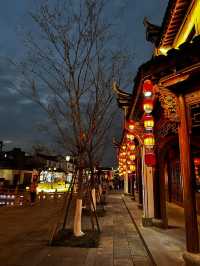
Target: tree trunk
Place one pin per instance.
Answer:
(78, 208)
(99, 193)
(77, 218)
(93, 192)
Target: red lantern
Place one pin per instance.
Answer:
(123, 154)
(130, 136)
(150, 159)
(149, 140)
(130, 125)
(132, 167)
(123, 147)
(197, 161)
(148, 105)
(148, 121)
(131, 146)
(132, 156)
(147, 88)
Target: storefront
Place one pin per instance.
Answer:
(53, 181)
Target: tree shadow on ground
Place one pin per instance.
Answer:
(66, 238)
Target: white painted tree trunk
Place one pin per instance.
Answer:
(126, 183)
(77, 218)
(93, 192)
(99, 193)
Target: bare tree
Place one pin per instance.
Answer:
(68, 71)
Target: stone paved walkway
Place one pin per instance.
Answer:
(24, 234)
(166, 245)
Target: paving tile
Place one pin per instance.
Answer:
(121, 253)
(123, 262)
(104, 261)
(91, 257)
(142, 263)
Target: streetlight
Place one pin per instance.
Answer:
(67, 158)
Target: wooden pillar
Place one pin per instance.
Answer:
(162, 191)
(139, 181)
(148, 193)
(132, 186)
(169, 179)
(191, 227)
(157, 188)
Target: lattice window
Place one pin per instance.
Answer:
(195, 114)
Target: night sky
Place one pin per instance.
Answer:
(20, 117)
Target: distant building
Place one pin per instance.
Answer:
(17, 168)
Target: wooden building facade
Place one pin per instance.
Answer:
(160, 147)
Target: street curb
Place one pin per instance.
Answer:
(140, 234)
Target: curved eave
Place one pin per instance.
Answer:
(123, 98)
(172, 21)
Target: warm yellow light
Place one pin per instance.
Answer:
(123, 147)
(52, 187)
(130, 136)
(132, 157)
(132, 167)
(131, 127)
(191, 19)
(148, 107)
(149, 140)
(131, 147)
(164, 50)
(149, 124)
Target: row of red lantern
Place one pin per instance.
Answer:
(148, 91)
(122, 160)
(197, 167)
(149, 139)
(131, 167)
(127, 164)
(148, 103)
(127, 152)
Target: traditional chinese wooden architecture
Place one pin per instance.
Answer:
(164, 112)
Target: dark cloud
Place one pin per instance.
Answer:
(19, 116)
